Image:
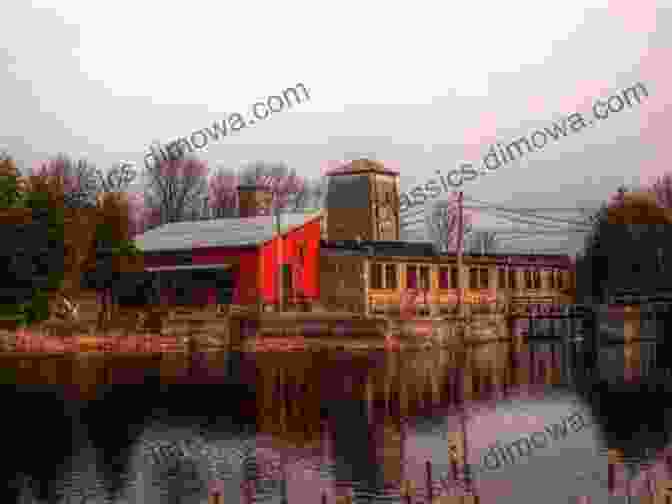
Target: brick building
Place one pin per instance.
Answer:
(346, 257)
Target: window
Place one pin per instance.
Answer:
(537, 279)
(473, 278)
(559, 280)
(443, 277)
(528, 279)
(287, 277)
(391, 276)
(376, 281)
(501, 282)
(424, 277)
(484, 278)
(411, 277)
(184, 284)
(453, 277)
(512, 279)
(551, 279)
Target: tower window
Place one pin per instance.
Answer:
(512, 279)
(424, 277)
(473, 278)
(484, 278)
(376, 276)
(453, 277)
(391, 276)
(443, 277)
(411, 277)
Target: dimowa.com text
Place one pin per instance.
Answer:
(538, 139)
(199, 139)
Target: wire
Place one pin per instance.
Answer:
(497, 210)
(528, 213)
(532, 231)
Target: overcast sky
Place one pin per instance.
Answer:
(418, 86)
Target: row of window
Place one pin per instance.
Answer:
(384, 276)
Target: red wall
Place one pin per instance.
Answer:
(308, 281)
(246, 278)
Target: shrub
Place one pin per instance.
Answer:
(38, 309)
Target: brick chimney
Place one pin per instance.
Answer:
(254, 200)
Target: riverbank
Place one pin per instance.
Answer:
(266, 332)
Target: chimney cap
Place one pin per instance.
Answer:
(362, 165)
(253, 187)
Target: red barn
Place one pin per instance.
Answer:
(230, 260)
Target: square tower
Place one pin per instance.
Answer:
(363, 202)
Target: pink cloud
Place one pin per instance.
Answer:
(536, 105)
(654, 111)
(477, 140)
(637, 16)
(582, 97)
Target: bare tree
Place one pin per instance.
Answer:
(222, 193)
(78, 179)
(662, 188)
(118, 178)
(141, 217)
(482, 242)
(176, 188)
(292, 191)
(315, 193)
(11, 185)
(441, 224)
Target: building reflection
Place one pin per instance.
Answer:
(351, 413)
(381, 396)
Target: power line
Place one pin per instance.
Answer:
(549, 229)
(531, 215)
(532, 210)
(526, 213)
(497, 210)
(421, 210)
(533, 223)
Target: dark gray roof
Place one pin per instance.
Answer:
(414, 249)
(229, 232)
(380, 248)
(188, 267)
(348, 191)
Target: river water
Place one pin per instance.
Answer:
(536, 422)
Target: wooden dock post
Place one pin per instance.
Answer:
(343, 499)
(407, 491)
(428, 468)
(613, 457)
(283, 499)
(663, 491)
(216, 498)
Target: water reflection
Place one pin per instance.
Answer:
(271, 425)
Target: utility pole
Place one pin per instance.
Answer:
(460, 233)
(279, 256)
